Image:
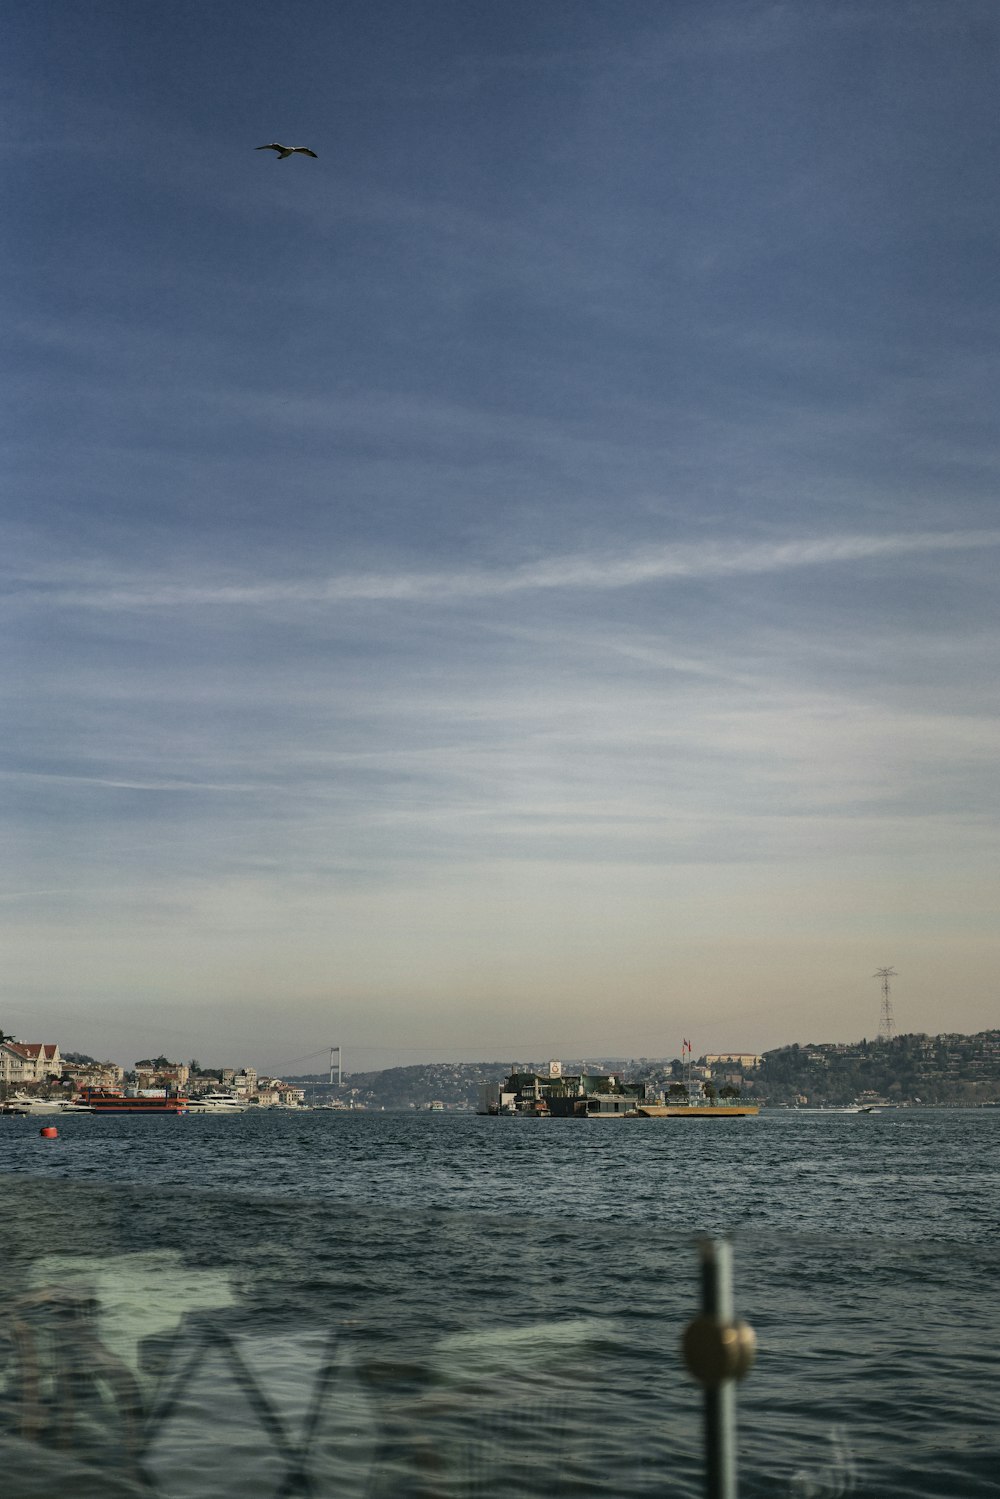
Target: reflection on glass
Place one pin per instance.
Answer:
(284, 1350)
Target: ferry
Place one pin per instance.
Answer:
(102, 1102)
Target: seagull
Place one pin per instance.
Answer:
(284, 151)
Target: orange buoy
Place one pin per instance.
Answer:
(49, 1132)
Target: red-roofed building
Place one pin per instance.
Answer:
(28, 1062)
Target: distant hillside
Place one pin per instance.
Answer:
(454, 1084)
(943, 1069)
(948, 1068)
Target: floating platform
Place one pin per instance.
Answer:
(695, 1111)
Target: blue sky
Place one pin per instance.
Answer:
(524, 582)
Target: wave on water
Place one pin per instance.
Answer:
(391, 1307)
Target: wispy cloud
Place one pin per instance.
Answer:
(543, 548)
(121, 784)
(580, 572)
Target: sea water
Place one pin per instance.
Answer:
(426, 1305)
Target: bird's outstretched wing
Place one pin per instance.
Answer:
(284, 151)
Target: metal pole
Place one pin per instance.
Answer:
(718, 1350)
(720, 1399)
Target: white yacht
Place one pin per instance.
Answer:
(21, 1104)
(216, 1103)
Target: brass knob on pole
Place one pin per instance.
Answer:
(716, 1351)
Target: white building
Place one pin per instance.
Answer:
(28, 1062)
(245, 1082)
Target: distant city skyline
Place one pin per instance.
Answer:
(523, 582)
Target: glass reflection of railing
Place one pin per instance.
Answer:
(201, 1349)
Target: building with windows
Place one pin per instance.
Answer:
(26, 1062)
(106, 1075)
(245, 1082)
(171, 1079)
(561, 1095)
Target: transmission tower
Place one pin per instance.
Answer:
(886, 1024)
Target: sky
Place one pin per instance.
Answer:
(522, 583)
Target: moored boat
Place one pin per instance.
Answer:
(102, 1102)
(24, 1106)
(734, 1110)
(216, 1103)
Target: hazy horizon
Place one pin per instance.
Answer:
(365, 1059)
(525, 580)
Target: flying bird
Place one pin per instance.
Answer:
(284, 151)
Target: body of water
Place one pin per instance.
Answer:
(444, 1305)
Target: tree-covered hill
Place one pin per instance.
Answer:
(453, 1084)
(916, 1068)
(943, 1069)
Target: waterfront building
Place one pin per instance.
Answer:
(24, 1062)
(204, 1082)
(106, 1075)
(560, 1095)
(245, 1082)
(15, 1069)
(272, 1092)
(173, 1077)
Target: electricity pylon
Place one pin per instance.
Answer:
(886, 1024)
